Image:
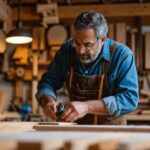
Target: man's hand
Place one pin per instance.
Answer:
(74, 111)
(49, 106)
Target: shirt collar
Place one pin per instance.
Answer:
(106, 50)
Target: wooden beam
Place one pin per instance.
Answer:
(108, 10)
(70, 12)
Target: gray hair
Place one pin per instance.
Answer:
(92, 19)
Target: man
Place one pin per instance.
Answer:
(100, 74)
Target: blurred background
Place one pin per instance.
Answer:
(47, 24)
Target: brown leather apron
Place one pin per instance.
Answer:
(83, 88)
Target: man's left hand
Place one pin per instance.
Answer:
(74, 111)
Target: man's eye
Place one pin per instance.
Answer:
(88, 45)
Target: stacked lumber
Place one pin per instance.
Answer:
(142, 114)
(72, 137)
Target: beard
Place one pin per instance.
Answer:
(85, 59)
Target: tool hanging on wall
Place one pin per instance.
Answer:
(56, 36)
(21, 55)
(49, 12)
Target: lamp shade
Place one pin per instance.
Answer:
(19, 36)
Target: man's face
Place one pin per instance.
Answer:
(87, 45)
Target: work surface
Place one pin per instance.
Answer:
(35, 136)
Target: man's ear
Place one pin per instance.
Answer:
(103, 39)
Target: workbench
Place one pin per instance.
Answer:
(51, 136)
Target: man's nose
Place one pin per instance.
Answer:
(82, 50)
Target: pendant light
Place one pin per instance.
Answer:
(19, 35)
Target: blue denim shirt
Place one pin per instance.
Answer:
(122, 76)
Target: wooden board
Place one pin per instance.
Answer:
(111, 32)
(147, 50)
(138, 117)
(3, 100)
(103, 139)
(18, 89)
(93, 128)
(38, 38)
(2, 42)
(133, 40)
(17, 126)
(121, 33)
(56, 123)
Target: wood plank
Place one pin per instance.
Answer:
(121, 33)
(133, 40)
(146, 112)
(147, 50)
(93, 128)
(56, 123)
(9, 116)
(2, 42)
(3, 100)
(70, 12)
(111, 32)
(17, 126)
(18, 90)
(138, 118)
(38, 38)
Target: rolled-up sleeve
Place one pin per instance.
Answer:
(54, 76)
(124, 96)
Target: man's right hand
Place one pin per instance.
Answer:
(49, 106)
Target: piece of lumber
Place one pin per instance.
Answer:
(3, 100)
(34, 82)
(145, 92)
(38, 42)
(93, 128)
(56, 123)
(121, 33)
(137, 117)
(111, 31)
(147, 50)
(133, 40)
(145, 112)
(7, 116)
(2, 42)
(17, 126)
(18, 88)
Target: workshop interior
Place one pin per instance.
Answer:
(44, 25)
